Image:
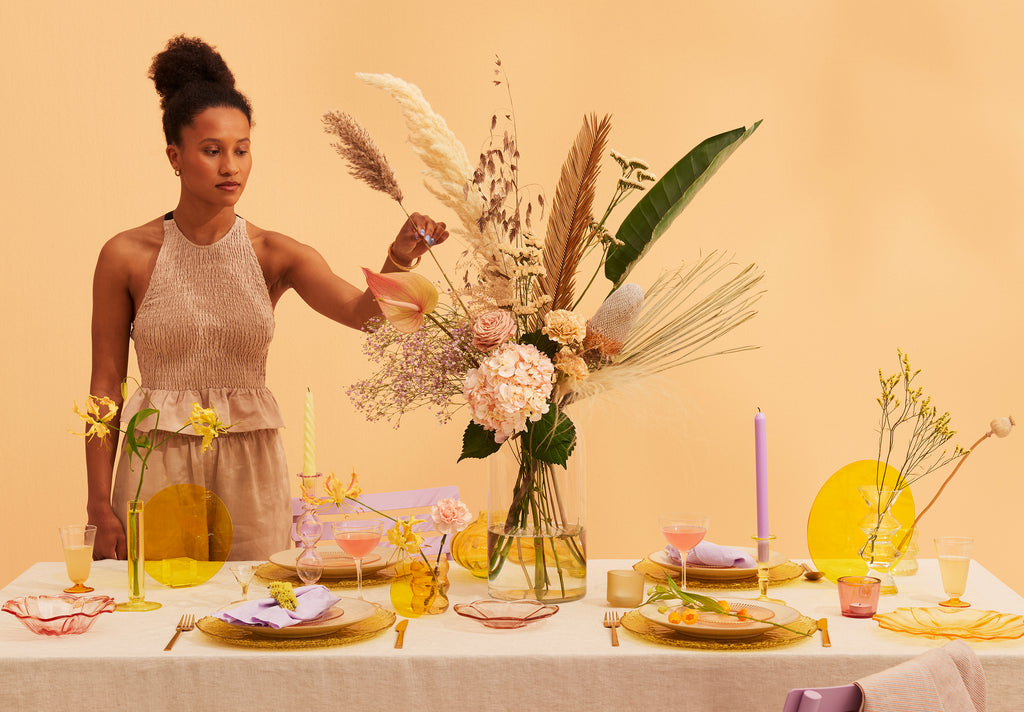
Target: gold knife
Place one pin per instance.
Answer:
(400, 627)
(823, 627)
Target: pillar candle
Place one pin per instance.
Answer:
(309, 446)
(761, 469)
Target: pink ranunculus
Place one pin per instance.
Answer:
(493, 328)
(511, 385)
(450, 515)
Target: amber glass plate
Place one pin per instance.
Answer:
(802, 628)
(965, 623)
(834, 536)
(368, 628)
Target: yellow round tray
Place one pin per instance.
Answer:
(188, 535)
(833, 533)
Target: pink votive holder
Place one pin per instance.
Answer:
(858, 595)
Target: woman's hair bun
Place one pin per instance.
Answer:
(186, 60)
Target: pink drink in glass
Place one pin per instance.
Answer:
(684, 537)
(356, 544)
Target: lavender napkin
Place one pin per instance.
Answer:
(313, 602)
(708, 554)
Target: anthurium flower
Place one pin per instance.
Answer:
(405, 298)
(95, 419)
(206, 422)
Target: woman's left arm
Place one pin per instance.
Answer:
(291, 264)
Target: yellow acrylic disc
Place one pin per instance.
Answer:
(188, 535)
(833, 534)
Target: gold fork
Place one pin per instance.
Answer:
(611, 620)
(187, 623)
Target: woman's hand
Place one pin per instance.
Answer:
(418, 234)
(110, 542)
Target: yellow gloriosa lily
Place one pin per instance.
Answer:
(404, 537)
(206, 422)
(95, 420)
(405, 298)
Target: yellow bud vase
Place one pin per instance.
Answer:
(469, 547)
(419, 589)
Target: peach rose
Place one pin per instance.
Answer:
(493, 329)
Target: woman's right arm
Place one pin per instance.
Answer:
(112, 313)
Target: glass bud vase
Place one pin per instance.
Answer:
(536, 544)
(135, 533)
(420, 588)
(469, 547)
(879, 525)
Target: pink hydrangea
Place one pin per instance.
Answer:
(450, 515)
(511, 386)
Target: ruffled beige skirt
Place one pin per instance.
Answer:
(247, 470)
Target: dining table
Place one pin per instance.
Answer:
(450, 662)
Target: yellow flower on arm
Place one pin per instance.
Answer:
(96, 421)
(206, 422)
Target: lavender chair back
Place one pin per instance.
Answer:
(396, 504)
(844, 698)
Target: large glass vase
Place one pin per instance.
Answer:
(536, 544)
(880, 526)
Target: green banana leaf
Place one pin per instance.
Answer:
(663, 201)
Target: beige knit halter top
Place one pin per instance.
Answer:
(203, 331)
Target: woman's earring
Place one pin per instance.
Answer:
(177, 171)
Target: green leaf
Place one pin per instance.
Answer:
(478, 442)
(663, 201)
(552, 438)
(132, 442)
(548, 347)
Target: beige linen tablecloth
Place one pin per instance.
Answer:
(452, 663)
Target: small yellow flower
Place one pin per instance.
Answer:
(725, 606)
(404, 537)
(284, 593)
(689, 616)
(206, 422)
(94, 418)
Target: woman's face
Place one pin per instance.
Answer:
(214, 156)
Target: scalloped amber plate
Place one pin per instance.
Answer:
(960, 623)
(833, 533)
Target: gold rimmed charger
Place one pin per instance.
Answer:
(365, 629)
(635, 623)
(272, 572)
(787, 571)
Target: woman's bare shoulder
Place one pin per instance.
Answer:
(135, 242)
(270, 239)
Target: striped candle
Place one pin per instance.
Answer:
(309, 446)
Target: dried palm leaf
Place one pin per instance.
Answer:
(572, 211)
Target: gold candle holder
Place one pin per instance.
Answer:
(764, 550)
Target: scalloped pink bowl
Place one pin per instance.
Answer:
(58, 615)
(506, 614)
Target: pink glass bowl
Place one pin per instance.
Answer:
(505, 614)
(58, 615)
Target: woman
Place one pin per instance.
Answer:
(196, 290)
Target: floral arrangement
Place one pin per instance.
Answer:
(448, 516)
(100, 412)
(510, 342)
(921, 454)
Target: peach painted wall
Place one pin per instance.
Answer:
(881, 196)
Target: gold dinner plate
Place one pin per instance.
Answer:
(834, 536)
(718, 573)
(966, 623)
(337, 564)
(346, 612)
(718, 628)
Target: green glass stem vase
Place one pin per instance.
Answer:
(135, 532)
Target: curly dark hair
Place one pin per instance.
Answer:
(191, 76)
